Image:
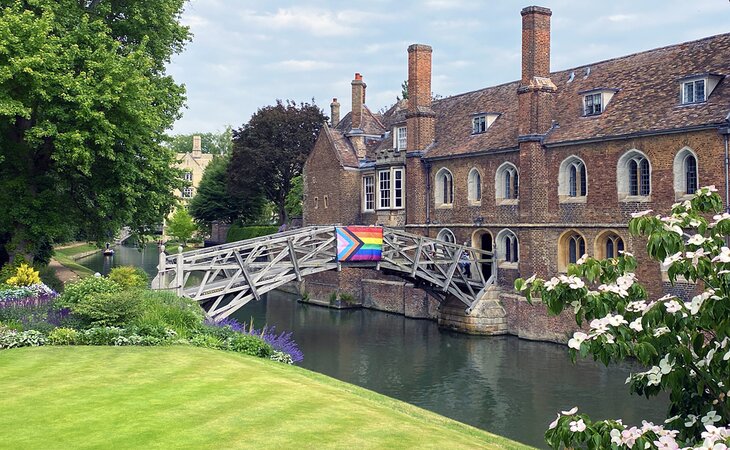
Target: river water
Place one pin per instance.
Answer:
(505, 385)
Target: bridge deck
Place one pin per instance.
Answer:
(226, 277)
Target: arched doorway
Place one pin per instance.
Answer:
(482, 239)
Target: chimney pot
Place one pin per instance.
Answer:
(358, 76)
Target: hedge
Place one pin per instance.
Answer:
(239, 233)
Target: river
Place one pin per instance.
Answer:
(505, 385)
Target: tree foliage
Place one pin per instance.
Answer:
(213, 143)
(295, 197)
(270, 150)
(214, 202)
(683, 343)
(181, 225)
(84, 103)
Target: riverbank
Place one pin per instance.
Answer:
(144, 397)
(64, 265)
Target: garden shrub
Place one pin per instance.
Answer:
(282, 357)
(63, 336)
(15, 339)
(76, 291)
(101, 335)
(129, 277)
(162, 309)
(249, 345)
(108, 309)
(206, 341)
(25, 275)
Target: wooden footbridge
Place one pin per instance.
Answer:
(226, 277)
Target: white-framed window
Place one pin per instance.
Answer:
(633, 176)
(401, 138)
(368, 193)
(507, 184)
(479, 124)
(446, 235)
(188, 175)
(475, 186)
(397, 188)
(508, 248)
(592, 104)
(187, 192)
(572, 179)
(444, 187)
(685, 173)
(693, 91)
(391, 188)
(384, 189)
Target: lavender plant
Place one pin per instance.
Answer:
(282, 342)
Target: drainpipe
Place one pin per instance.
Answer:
(726, 133)
(428, 195)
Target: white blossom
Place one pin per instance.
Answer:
(554, 423)
(697, 239)
(673, 228)
(636, 325)
(577, 426)
(636, 306)
(723, 257)
(660, 331)
(641, 213)
(550, 284)
(577, 339)
(570, 412)
(582, 259)
(669, 260)
(710, 418)
(673, 306)
(531, 279)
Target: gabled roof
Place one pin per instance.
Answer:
(341, 145)
(647, 100)
(371, 123)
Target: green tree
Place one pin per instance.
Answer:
(181, 225)
(295, 197)
(214, 143)
(271, 149)
(213, 201)
(84, 103)
(685, 344)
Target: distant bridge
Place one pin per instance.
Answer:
(226, 277)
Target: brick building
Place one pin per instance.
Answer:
(539, 170)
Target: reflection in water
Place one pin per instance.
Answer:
(145, 257)
(505, 385)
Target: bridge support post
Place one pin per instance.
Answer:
(179, 272)
(161, 269)
(486, 316)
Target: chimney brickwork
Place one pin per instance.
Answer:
(358, 99)
(196, 146)
(420, 118)
(334, 112)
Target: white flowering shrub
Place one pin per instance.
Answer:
(683, 344)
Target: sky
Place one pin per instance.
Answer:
(246, 54)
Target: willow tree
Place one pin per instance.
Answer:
(84, 105)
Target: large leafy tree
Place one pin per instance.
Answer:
(213, 201)
(181, 225)
(214, 143)
(84, 104)
(271, 149)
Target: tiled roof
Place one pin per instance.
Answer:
(345, 152)
(371, 123)
(647, 100)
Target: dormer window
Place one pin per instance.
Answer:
(595, 101)
(697, 88)
(693, 91)
(592, 104)
(400, 137)
(482, 121)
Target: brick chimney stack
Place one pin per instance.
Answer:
(535, 43)
(358, 99)
(334, 112)
(196, 147)
(420, 118)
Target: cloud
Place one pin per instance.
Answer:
(621, 18)
(318, 22)
(444, 4)
(301, 65)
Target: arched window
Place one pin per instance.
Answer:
(572, 179)
(446, 235)
(475, 186)
(633, 175)
(571, 246)
(507, 184)
(508, 248)
(685, 173)
(608, 245)
(444, 188)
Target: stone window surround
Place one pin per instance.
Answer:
(622, 177)
(474, 187)
(499, 184)
(444, 175)
(679, 171)
(564, 185)
(500, 254)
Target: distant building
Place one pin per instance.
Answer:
(193, 164)
(540, 170)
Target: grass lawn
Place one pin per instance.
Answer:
(73, 265)
(186, 397)
(76, 249)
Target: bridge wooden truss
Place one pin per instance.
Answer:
(226, 277)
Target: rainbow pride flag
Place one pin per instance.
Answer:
(359, 243)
